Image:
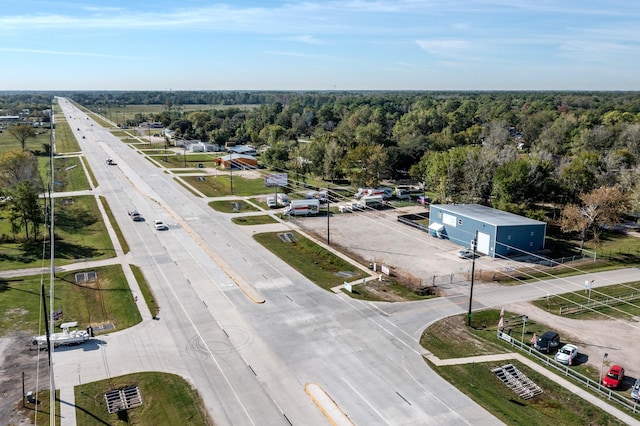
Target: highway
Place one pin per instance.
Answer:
(262, 344)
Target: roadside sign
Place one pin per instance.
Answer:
(276, 179)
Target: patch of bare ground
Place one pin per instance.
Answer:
(458, 339)
(380, 292)
(18, 356)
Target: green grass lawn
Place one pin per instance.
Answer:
(167, 400)
(107, 300)
(314, 262)
(452, 338)
(8, 142)
(65, 141)
(147, 293)
(553, 304)
(179, 160)
(216, 186)
(69, 174)
(254, 220)
(80, 234)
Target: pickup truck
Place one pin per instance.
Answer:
(135, 216)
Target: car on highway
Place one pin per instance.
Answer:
(159, 225)
(614, 377)
(566, 354)
(465, 254)
(135, 216)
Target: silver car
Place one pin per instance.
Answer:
(635, 390)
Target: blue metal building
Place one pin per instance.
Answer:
(499, 233)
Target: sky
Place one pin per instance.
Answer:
(320, 45)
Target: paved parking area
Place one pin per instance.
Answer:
(377, 236)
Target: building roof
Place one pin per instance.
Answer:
(241, 149)
(237, 157)
(487, 214)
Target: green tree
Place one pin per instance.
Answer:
(333, 155)
(435, 173)
(580, 175)
(22, 132)
(17, 166)
(277, 156)
(25, 211)
(364, 163)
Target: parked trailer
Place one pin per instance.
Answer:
(406, 192)
(372, 201)
(384, 192)
(303, 207)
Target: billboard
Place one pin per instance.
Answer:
(276, 179)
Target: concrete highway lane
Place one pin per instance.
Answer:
(255, 363)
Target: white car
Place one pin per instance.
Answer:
(159, 225)
(566, 354)
(465, 254)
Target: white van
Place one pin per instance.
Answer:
(271, 202)
(283, 199)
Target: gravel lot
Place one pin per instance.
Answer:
(377, 236)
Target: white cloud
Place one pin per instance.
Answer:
(443, 47)
(295, 54)
(61, 53)
(308, 39)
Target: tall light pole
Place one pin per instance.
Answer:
(328, 214)
(184, 152)
(473, 273)
(602, 366)
(524, 323)
(231, 172)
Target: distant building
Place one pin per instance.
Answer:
(205, 147)
(242, 149)
(499, 233)
(169, 134)
(237, 161)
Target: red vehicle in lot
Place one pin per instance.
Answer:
(614, 377)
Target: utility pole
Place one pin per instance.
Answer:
(473, 273)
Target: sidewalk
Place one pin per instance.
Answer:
(576, 390)
(66, 268)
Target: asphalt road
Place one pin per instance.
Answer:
(253, 362)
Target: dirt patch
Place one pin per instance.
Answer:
(18, 356)
(379, 291)
(594, 338)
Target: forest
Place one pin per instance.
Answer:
(517, 151)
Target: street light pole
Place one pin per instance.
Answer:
(602, 366)
(473, 273)
(328, 215)
(231, 172)
(524, 323)
(184, 148)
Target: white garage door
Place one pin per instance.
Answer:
(483, 243)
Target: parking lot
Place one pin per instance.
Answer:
(377, 236)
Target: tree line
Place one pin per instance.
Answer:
(512, 150)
